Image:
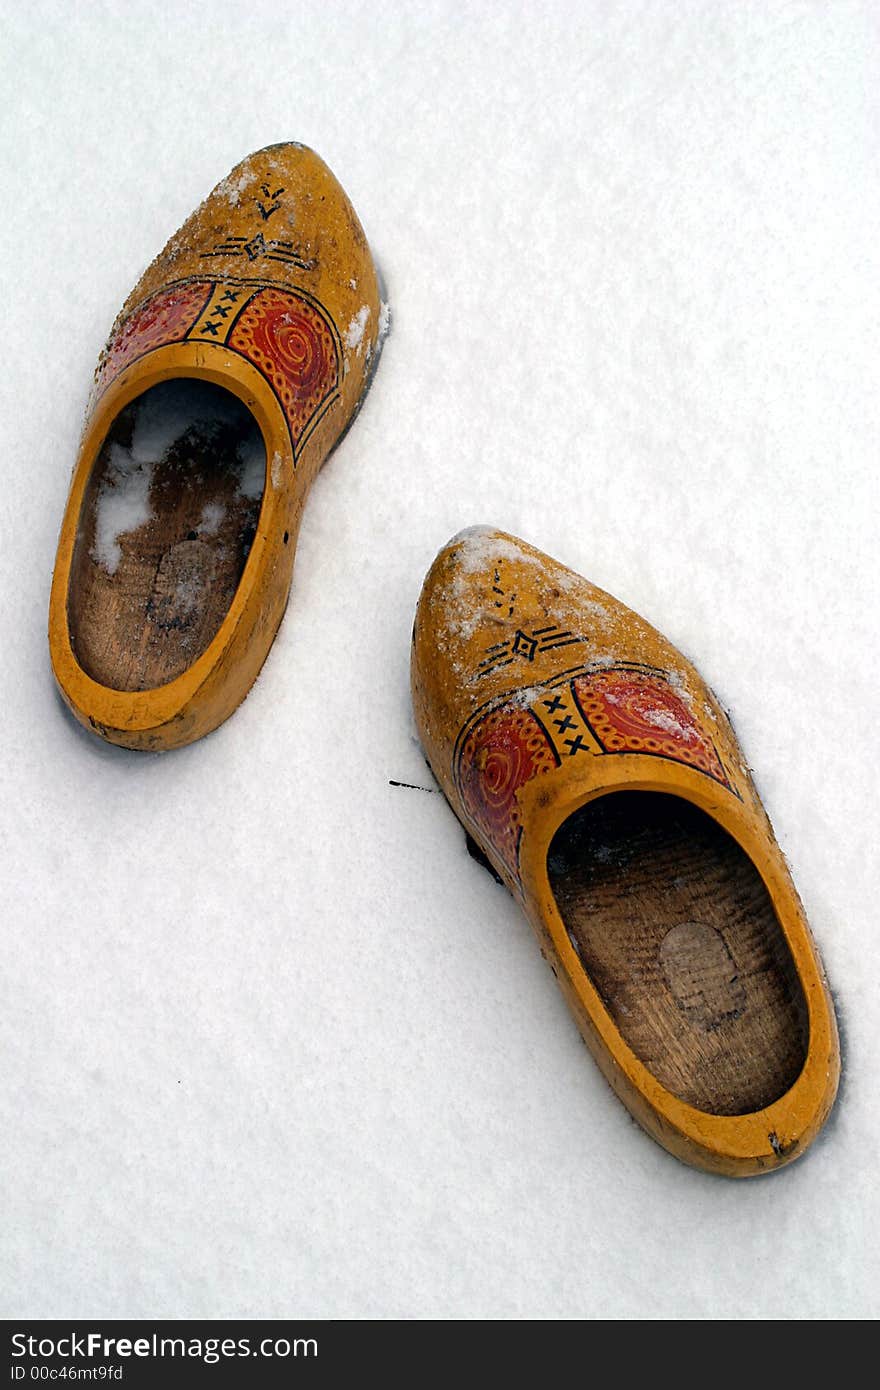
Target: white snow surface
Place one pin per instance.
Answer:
(271, 1040)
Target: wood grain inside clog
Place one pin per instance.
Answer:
(675, 929)
(146, 599)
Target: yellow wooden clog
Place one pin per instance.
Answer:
(234, 367)
(603, 781)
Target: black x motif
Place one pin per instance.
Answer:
(212, 328)
(232, 296)
(563, 724)
(223, 313)
(554, 704)
(575, 745)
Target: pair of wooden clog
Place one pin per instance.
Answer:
(595, 770)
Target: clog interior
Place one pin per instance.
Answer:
(168, 519)
(673, 925)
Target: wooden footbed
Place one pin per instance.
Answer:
(168, 518)
(674, 927)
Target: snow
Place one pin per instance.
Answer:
(123, 504)
(663, 719)
(252, 453)
(161, 417)
(271, 1038)
(211, 519)
(355, 331)
(478, 548)
(233, 188)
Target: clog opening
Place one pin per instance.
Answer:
(673, 925)
(168, 518)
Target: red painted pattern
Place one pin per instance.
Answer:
(292, 345)
(502, 752)
(634, 712)
(165, 318)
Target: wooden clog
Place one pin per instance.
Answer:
(602, 780)
(234, 367)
